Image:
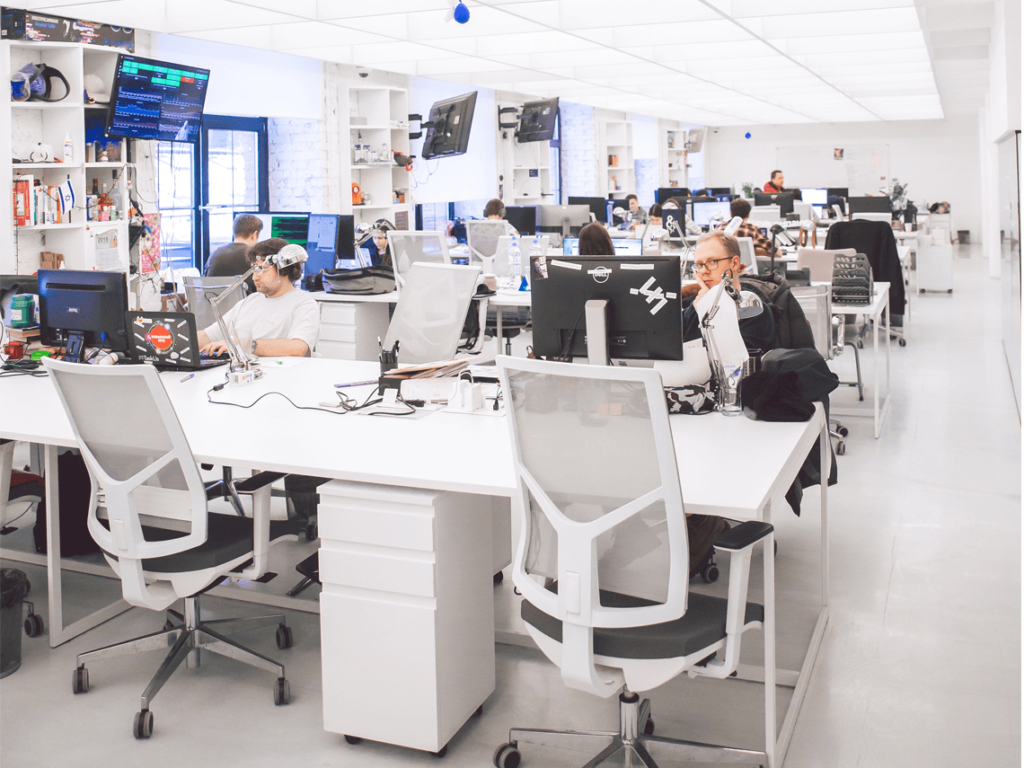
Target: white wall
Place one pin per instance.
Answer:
(248, 82)
(938, 159)
(472, 176)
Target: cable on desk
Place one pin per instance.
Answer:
(267, 394)
(22, 368)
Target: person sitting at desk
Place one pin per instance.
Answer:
(279, 320)
(775, 185)
(495, 211)
(380, 242)
(595, 241)
(635, 213)
(232, 260)
(762, 244)
(654, 215)
(717, 253)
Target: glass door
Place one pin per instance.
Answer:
(178, 197)
(234, 180)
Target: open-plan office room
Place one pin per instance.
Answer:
(427, 380)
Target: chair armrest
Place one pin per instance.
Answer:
(254, 483)
(743, 535)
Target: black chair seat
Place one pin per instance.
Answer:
(703, 625)
(227, 538)
(25, 486)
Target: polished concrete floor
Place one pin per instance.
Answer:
(920, 664)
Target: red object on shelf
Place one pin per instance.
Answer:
(22, 202)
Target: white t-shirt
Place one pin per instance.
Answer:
(295, 315)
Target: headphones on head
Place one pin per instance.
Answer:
(290, 254)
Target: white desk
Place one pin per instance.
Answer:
(874, 311)
(407, 599)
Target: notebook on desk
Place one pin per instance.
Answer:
(167, 340)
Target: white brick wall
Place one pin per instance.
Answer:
(578, 151)
(296, 165)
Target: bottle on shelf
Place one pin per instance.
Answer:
(360, 151)
(118, 211)
(69, 150)
(104, 204)
(96, 187)
(515, 265)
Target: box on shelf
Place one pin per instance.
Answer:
(50, 260)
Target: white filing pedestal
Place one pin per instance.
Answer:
(406, 611)
(934, 264)
(349, 330)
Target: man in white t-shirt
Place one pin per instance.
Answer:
(278, 320)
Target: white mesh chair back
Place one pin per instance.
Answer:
(408, 248)
(599, 501)
(140, 464)
(482, 238)
(820, 262)
(816, 302)
(431, 312)
(747, 254)
(199, 291)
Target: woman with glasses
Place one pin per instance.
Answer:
(718, 254)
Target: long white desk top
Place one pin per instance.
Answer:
(441, 451)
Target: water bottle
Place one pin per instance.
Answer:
(515, 265)
(535, 250)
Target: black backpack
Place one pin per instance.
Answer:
(792, 331)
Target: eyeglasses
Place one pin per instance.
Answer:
(710, 264)
(259, 267)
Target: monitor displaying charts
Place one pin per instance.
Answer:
(708, 214)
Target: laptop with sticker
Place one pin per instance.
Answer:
(167, 340)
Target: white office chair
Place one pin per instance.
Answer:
(482, 236)
(408, 248)
(199, 291)
(603, 563)
(431, 312)
(149, 515)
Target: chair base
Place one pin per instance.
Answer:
(632, 745)
(188, 638)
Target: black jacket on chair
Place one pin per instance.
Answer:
(876, 241)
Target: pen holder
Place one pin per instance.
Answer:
(386, 366)
(727, 393)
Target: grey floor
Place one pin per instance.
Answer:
(920, 664)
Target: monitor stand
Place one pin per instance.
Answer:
(75, 350)
(596, 316)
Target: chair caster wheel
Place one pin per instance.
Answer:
(507, 756)
(33, 625)
(840, 448)
(709, 574)
(860, 344)
(499, 577)
(80, 680)
(441, 752)
(284, 637)
(479, 711)
(311, 531)
(843, 431)
(903, 342)
(649, 727)
(950, 290)
(353, 739)
(282, 692)
(142, 728)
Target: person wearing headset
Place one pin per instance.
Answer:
(495, 211)
(277, 320)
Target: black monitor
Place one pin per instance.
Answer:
(598, 206)
(523, 218)
(644, 315)
(158, 100)
(565, 220)
(782, 199)
(716, 191)
(330, 239)
(290, 226)
(838, 191)
(83, 308)
(448, 127)
(537, 121)
(880, 204)
(664, 193)
(11, 286)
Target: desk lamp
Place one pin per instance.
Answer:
(240, 361)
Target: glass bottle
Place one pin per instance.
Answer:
(515, 266)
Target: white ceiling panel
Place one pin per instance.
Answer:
(720, 62)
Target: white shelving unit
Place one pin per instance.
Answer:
(673, 158)
(379, 118)
(616, 158)
(25, 125)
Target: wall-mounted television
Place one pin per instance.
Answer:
(158, 100)
(448, 127)
(537, 121)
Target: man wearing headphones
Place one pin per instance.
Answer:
(277, 320)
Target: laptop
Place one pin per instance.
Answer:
(167, 340)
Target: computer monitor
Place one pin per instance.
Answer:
(448, 127)
(869, 205)
(715, 191)
(330, 243)
(624, 246)
(670, 217)
(644, 313)
(565, 220)
(293, 227)
(664, 193)
(598, 206)
(782, 199)
(537, 121)
(523, 218)
(83, 308)
(707, 214)
(816, 196)
(157, 100)
(838, 191)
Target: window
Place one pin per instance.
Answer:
(556, 162)
(203, 186)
